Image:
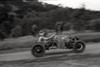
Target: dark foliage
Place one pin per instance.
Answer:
(43, 16)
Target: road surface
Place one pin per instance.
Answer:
(90, 49)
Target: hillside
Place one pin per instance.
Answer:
(45, 15)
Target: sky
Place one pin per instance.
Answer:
(89, 4)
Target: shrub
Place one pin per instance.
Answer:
(16, 32)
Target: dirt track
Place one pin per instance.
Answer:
(90, 49)
(54, 58)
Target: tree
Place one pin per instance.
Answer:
(79, 25)
(16, 31)
(6, 27)
(2, 35)
(95, 24)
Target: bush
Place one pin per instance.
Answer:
(16, 32)
(2, 35)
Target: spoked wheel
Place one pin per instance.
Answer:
(38, 50)
(79, 47)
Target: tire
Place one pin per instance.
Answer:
(38, 50)
(79, 47)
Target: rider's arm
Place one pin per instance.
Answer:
(45, 38)
(51, 36)
(42, 38)
(39, 40)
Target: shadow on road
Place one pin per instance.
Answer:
(58, 53)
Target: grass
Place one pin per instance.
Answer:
(21, 42)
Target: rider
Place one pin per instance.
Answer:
(43, 36)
